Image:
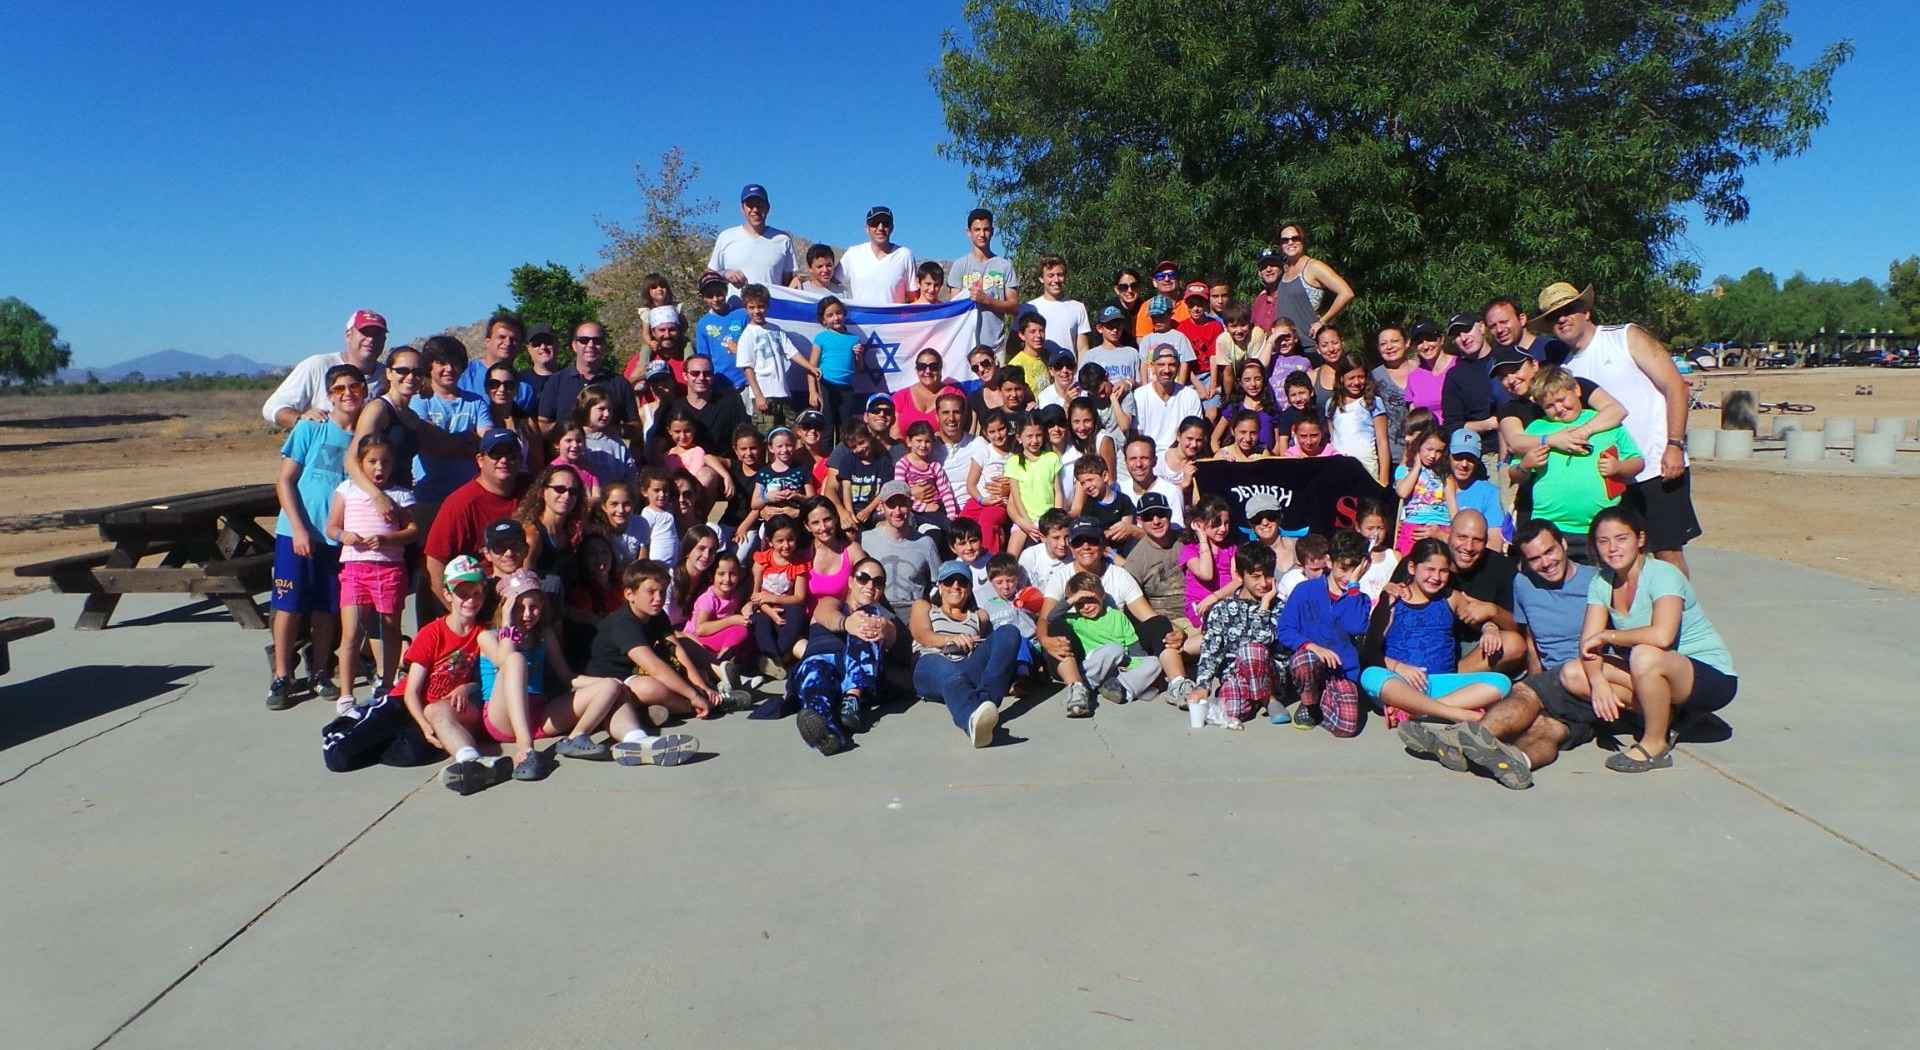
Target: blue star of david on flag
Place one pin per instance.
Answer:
(882, 358)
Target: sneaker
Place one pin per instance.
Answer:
(1438, 742)
(1235, 724)
(1504, 762)
(379, 693)
(1306, 716)
(986, 718)
(1177, 691)
(278, 694)
(818, 731)
(1112, 692)
(1079, 703)
(583, 746)
(465, 778)
(670, 750)
(344, 707)
(852, 718)
(323, 687)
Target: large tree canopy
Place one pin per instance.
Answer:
(30, 346)
(1439, 152)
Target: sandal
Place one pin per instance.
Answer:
(535, 765)
(1624, 762)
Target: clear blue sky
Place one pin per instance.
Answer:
(230, 178)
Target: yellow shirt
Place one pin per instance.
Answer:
(1037, 482)
(1036, 370)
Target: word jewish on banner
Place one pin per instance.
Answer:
(1316, 495)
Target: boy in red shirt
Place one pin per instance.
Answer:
(1202, 329)
(443, 691)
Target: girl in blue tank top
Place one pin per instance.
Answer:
(1409, 657)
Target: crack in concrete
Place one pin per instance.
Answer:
(1784, 806)
(142, 713)
(262, 913)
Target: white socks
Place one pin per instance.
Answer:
(467, 754)
(637, 736)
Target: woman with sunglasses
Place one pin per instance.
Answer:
(921, 399)
(959, 657)
(389, 417)
(1304, 284)
(835, 682)
(553, 514)
(1129, 298)
(505, 413)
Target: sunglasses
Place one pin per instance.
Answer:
(590, 340)
(1126, 286)
(1291, 240)
(501, 455)
(499, 384)
(403, 371)
(881, 410)
(691, 374)
(927, 366)
(1166, 275)
(348, 388)
(871, 579)
(570, 490)
(983, 366)
(1085, 541)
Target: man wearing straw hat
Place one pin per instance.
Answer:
(1634, 367)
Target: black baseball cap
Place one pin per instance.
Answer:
(1507, 357)
(878, 212)
(499, 441)
(505, 534)
(1461, 322)
(1086, 528)
(1271, 256)
(541, 333)
(1423, 328)
(1152, 503)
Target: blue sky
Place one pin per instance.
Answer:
(230, 178)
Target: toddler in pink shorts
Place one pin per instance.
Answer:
(373, 564)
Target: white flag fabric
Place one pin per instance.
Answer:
(890, 336)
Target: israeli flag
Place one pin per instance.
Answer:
(890, 336)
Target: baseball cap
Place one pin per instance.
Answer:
(1505, 357)
(541, 333)
(1464, 443)
(879, 401)
(657, 370)
(1271, 255)
(711, 277)
(503, 534)
(1086, 528)
(366, 319)
(752, 190)
(1050, 416)
(951, 568)
(812, 419)
(1262, 503)
(878, 212)
(499, 441)
(1165, 350)
(1151, 503)
(1111, 315)
(515, 584)
(1060, 358)
(1195, 288)
(1461, 322)
(1159, 306)
(464, 568)
(1166, 264)
(892, 489)
(1423, 328)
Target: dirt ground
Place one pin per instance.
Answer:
(67, 452)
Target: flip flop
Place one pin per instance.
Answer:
(1624, 762)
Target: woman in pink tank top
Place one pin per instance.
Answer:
(834, 555)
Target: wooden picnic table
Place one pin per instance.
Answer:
(208, 542)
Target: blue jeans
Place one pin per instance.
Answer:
(964, 685)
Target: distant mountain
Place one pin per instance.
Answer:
(169, 363)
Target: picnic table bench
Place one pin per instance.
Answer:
(208, 544)
(14, 628)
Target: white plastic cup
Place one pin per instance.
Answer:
(1197, 714)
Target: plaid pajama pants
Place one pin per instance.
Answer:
(1254, 678)
(1337, 697)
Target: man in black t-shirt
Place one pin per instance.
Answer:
(1489, 638)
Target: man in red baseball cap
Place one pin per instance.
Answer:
(304, 391)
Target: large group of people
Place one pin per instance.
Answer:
(595, 549)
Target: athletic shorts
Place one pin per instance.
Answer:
(305, 585)
(1564, 707)
(381, 584)
(1668, 508)
(1713, 689)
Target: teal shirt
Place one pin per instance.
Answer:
(1697, 638)
(321, 450)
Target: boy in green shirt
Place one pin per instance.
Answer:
(1116, 665)
(1569, 490)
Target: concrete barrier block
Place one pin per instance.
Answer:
(1732, 444)
(1840, 432)
(1806, 446)
(1701, 442)
(1875, 449)
(1895, 425)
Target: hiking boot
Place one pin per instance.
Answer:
(1438, 742)
(1504, 762)
(279, 696)
(818, 732)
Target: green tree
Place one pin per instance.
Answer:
(30, 346)
(1438, 152)
(1903, 286)
(671, 237)
(551, 294)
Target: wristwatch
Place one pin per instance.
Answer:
(1677, 443)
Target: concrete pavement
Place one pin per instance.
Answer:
(180, 870)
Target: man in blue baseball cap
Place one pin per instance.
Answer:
(753, 252)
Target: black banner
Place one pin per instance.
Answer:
(1318, 495)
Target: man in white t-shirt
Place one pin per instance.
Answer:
(1162, 404)
(958, 447)
(303, 393)
(753, 252)
(1142, 459)
(1087, 547)
(1067, 325)
(878, 271)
